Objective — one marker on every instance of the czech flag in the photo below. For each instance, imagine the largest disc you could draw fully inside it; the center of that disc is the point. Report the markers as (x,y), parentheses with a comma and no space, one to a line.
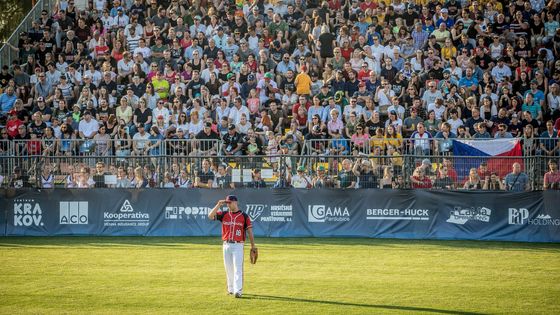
(499,154)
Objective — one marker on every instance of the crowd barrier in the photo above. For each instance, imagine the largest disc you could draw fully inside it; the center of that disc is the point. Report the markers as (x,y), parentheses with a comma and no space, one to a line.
(406,214)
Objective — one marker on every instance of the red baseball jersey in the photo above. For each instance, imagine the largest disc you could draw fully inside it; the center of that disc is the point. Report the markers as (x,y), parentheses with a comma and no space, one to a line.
(234,225)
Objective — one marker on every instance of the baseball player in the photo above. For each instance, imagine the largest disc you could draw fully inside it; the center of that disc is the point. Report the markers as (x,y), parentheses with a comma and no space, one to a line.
(234,225)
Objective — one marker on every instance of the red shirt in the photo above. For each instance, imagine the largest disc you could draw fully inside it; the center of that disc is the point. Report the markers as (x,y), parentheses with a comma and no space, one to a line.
(234,225)
(426,182)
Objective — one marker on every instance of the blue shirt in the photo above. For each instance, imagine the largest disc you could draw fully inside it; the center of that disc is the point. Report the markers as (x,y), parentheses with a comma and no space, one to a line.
(468,82)
(516,182)
(7,102)
(314,110)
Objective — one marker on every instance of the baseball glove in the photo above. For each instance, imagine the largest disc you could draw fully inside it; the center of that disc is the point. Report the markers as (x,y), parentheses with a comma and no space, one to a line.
(254,255)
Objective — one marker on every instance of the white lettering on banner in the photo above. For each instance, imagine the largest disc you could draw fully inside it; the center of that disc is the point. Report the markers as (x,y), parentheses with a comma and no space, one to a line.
(461,215)
(322,213)
(254,211)
(521,217)
(126,217)
(398,214)
(27,213)
(177,213)
(73,212)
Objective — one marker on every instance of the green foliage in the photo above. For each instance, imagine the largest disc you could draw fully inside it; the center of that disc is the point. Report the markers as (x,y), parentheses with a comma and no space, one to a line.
(12,13)
(84,275)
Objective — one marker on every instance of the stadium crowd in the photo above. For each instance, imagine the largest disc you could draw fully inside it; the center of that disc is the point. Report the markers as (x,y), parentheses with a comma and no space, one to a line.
(268,77)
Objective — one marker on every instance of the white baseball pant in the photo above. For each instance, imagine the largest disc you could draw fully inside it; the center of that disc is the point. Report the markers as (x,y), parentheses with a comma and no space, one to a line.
(233,261)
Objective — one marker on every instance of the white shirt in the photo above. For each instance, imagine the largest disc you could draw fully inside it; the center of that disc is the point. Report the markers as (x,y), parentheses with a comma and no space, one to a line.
(163,112)
(300,181)
(88,128)
(437,110)
(235,113)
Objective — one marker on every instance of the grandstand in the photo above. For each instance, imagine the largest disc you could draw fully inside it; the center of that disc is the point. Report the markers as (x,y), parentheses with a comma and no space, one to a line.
(360,94)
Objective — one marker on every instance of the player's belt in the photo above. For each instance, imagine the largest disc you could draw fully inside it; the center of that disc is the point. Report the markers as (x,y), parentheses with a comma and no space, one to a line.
(232,242)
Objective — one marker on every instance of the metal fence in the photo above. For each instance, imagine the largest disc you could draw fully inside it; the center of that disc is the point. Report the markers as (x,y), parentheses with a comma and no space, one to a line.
(396,171)
(7,54)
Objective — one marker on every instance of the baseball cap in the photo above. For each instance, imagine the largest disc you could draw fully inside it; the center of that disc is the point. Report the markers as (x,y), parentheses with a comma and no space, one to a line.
(208,124)
(268,75)
(229,75)
(444,10)
(231,198)
(231,127)
(251,77)
(426,161)
(301,168)
(393,112)
(321,168)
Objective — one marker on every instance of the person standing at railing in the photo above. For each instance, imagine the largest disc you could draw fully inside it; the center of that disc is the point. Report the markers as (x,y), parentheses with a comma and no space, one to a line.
(7,100)
(549,144)
(551,179)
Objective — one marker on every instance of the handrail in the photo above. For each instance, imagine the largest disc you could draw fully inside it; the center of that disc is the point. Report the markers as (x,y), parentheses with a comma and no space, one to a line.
(7,54)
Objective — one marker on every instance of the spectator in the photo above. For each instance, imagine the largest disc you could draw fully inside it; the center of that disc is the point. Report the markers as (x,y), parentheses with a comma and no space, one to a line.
(256,180)
(300,179)
(473,182)
(517,181)
(493,182)
(419,180)
(346,177)
(552,177)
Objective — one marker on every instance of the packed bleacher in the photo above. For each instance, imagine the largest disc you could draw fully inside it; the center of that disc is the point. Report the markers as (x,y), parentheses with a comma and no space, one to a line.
(280,93)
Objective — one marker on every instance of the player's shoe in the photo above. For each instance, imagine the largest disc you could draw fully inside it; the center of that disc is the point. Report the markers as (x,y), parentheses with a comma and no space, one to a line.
(230,293)
(237,295)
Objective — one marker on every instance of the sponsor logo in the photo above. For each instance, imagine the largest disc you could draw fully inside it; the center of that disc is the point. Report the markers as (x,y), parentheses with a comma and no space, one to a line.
(323,213)
(276,213)
(126,217)
(27,213)
(178,213)
(73,212)
(398,214)
(461,215)
(254,211)
(521,217)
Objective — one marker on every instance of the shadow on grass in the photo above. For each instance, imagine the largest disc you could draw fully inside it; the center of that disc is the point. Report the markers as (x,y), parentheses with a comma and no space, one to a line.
(337,303)
(284,243)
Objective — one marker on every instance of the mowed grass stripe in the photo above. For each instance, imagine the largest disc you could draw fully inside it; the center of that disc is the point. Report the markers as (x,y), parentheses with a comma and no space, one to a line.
(79,275)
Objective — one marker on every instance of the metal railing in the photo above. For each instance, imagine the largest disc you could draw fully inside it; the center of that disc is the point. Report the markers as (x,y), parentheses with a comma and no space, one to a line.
(278,171)
(7,53)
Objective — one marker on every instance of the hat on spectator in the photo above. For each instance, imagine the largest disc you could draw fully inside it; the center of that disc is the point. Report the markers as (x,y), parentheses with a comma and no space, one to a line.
(393,112)
(534,81)
(514,116)
(197,17)
(321,168)
(426,162)
(207,124)
(180,129)
(230,75)
(268,75)
(362,84)
(301,168)
(444,10)
(447,71)
(231,127)
(251,77)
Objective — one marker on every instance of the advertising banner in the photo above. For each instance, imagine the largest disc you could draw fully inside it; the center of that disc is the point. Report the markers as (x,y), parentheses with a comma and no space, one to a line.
(411,214)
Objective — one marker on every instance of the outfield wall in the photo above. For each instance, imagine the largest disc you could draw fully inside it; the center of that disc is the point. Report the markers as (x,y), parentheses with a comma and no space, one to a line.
(410,214)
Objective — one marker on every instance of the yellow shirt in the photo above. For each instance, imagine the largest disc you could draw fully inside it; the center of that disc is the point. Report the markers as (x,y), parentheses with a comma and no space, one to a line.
(448,52)
(161,87)
(395,142)
(303,84)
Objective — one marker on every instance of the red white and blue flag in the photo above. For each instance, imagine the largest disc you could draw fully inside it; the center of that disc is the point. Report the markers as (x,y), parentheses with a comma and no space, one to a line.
(499,154)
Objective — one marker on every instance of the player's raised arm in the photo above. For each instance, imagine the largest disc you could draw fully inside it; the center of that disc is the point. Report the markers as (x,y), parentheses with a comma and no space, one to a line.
(212,214)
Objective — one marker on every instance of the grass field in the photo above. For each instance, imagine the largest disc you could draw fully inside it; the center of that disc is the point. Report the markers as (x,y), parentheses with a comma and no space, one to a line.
(84,275)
